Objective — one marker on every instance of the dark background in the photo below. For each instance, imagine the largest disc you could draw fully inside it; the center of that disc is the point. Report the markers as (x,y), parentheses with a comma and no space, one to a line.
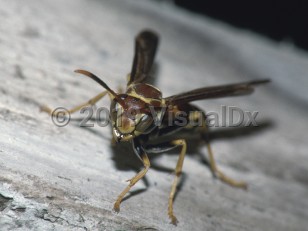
(278,20)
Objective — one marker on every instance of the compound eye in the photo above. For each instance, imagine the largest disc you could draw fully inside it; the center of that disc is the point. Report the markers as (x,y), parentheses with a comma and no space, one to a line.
(145,124)
(115,110)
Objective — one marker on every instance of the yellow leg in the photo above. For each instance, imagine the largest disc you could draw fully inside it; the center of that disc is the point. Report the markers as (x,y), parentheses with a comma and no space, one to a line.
(178,171)
(221,175)
(133,181)
(218,173)
(77,108)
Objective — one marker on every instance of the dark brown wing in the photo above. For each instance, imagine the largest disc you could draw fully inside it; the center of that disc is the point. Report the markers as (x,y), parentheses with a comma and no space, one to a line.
(145,48)
(215,92)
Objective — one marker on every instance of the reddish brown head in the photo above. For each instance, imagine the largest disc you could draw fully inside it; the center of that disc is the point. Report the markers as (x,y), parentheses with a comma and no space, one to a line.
(131,113)
(134,117)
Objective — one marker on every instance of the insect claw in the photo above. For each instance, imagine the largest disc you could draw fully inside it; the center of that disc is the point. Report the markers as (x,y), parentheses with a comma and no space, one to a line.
(44,108)
(244,186)
(174,220)
(116,207)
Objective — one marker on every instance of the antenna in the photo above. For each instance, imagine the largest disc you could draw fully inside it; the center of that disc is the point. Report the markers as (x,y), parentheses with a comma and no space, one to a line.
(103,84)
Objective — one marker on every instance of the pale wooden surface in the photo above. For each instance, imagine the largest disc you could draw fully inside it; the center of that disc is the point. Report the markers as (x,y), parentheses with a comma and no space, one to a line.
(68,178)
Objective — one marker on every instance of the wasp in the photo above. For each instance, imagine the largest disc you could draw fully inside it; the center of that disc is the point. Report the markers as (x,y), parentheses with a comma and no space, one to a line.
(142,115)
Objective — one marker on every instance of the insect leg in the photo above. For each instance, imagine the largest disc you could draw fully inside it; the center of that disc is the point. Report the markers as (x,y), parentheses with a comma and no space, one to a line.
(163,147)
(218,173)
(139,150)
(178,171)
(77,108)
(196,115)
